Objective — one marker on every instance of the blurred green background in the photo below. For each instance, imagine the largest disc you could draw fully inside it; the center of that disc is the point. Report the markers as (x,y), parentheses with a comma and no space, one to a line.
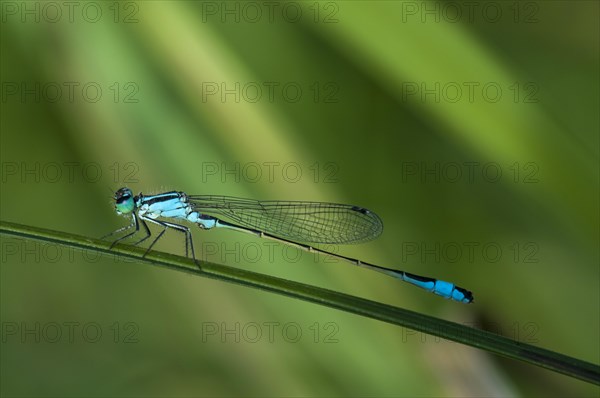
(411,109)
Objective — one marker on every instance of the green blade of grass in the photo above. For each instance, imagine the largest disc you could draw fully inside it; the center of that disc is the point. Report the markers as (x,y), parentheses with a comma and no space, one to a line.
(423,323)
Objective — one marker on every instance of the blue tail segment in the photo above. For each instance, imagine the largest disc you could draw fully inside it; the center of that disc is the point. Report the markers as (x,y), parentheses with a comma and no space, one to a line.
(441,288)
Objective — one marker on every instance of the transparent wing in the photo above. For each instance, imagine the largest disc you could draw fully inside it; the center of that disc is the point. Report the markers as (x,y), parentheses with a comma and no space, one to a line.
(314,222)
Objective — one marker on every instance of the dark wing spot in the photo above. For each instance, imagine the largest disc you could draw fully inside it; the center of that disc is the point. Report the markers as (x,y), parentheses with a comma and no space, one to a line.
(360,210)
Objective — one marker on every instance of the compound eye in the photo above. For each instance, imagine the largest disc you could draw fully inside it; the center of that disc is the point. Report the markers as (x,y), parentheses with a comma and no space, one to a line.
(124,202)
(122,199)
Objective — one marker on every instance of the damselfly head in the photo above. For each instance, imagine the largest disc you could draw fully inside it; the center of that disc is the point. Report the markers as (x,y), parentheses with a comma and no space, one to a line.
(124,201)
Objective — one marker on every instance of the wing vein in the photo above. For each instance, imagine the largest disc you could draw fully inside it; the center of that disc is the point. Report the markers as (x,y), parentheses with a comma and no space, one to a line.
(315,222)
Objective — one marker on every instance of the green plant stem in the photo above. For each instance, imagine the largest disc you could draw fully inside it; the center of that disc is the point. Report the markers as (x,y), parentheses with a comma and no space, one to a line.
(422,323)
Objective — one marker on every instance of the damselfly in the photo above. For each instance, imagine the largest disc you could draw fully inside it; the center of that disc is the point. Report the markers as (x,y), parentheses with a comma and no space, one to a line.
(289,222)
